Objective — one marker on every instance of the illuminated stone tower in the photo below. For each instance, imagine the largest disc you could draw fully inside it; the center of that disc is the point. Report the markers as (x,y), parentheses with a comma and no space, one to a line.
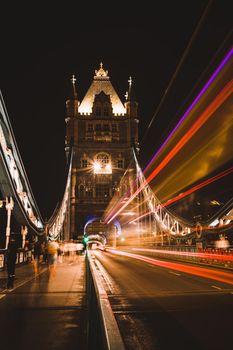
(101,130)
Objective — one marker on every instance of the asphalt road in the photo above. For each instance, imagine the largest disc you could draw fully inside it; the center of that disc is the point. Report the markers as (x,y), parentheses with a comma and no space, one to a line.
(160,308)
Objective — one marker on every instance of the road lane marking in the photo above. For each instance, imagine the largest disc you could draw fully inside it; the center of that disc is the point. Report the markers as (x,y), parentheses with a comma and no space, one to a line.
(175,273)
(216,287)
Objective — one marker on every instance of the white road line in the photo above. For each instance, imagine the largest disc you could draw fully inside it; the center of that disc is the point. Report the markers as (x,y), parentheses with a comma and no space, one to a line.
(175,273)
(216,287)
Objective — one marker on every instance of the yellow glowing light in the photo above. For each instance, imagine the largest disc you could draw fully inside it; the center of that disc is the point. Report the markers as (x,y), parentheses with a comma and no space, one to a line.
(128,213)
(108,167)
(86,107)
(102,168)
(96,167)
(101,83)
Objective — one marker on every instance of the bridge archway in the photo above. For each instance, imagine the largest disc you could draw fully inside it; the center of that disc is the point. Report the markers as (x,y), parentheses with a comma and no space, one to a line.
(96,230)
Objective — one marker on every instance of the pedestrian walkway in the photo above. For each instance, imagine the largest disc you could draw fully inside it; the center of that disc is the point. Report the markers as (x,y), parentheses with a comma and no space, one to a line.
(45,311)
(23,274)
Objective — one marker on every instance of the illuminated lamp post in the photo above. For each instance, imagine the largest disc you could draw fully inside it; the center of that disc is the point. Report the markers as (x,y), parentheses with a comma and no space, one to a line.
(24,231)
(9,208)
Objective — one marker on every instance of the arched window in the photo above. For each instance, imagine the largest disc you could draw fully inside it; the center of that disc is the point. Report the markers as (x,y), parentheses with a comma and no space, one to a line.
(103,158)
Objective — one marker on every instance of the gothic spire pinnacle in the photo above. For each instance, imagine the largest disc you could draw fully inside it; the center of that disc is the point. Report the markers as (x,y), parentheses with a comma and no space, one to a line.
(73,79)
(130,81)
(74,92)
(101,73)
(130,91)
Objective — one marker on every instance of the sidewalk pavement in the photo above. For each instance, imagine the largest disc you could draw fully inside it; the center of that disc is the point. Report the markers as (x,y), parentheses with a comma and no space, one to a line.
(26,272)
(23,274)
(45,310)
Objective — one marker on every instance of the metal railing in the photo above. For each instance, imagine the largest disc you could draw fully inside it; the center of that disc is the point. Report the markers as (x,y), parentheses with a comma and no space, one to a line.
(23,256)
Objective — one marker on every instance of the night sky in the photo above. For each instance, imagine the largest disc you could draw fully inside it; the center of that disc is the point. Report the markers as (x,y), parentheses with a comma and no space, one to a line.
(42,47)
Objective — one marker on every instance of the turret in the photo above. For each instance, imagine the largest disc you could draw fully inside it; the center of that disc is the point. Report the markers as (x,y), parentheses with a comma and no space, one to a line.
(131,103)
(72,105)
(131,106)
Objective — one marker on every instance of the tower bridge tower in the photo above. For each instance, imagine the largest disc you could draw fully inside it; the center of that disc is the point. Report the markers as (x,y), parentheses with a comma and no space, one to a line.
(101,130)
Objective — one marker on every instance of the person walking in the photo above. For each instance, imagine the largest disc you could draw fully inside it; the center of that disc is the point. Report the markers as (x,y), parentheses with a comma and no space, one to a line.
(52,249)
(37,255)
(11,261)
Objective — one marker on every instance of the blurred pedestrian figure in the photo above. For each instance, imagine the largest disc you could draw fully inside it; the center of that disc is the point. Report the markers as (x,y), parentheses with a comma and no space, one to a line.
(44,253)
(11,260)
(60,253)
(37,254)
(52,250)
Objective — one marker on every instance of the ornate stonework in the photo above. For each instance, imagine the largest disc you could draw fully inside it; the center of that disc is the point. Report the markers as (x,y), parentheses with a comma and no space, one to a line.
(101,73)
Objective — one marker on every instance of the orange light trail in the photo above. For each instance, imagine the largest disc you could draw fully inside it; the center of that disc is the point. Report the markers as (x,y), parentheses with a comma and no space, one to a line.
(223,95)
(197,187)
(221,276)
(213,256)
(204,89)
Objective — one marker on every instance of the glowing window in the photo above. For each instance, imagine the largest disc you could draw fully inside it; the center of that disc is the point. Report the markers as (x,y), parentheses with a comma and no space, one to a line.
(102,164)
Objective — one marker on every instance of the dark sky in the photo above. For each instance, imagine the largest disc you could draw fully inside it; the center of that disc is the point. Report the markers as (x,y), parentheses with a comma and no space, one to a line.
(42,47)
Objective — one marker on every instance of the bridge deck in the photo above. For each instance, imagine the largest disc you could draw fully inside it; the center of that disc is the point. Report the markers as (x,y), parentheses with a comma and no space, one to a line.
(44,311)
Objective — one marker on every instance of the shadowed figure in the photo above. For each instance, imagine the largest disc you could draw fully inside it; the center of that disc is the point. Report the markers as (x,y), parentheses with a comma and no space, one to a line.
(11,260)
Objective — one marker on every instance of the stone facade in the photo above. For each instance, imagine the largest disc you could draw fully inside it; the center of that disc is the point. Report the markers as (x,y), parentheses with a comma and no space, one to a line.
(101,131)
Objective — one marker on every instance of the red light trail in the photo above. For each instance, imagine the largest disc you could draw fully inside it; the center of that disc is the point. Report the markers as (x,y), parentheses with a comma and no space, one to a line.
(221,276)
(204,89)
(217,102)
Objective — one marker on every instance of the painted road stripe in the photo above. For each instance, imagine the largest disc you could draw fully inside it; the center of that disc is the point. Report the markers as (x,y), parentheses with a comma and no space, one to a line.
(175,273)
(216,287)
